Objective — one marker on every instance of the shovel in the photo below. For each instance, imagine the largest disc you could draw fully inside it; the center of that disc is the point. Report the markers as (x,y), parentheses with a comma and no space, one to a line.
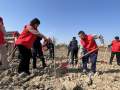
(10,57)
(65,64)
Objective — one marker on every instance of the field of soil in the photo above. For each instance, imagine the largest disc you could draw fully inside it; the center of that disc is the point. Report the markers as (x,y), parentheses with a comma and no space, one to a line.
(54,77)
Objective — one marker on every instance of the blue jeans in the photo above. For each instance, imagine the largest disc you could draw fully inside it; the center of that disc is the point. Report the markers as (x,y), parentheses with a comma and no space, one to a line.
(93,59)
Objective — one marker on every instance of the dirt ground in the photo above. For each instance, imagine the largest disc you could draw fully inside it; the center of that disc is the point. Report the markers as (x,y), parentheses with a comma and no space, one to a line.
(53,77)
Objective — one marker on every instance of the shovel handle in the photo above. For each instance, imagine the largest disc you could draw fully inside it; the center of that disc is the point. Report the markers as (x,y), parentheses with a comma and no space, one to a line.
(89,52)
(10,56)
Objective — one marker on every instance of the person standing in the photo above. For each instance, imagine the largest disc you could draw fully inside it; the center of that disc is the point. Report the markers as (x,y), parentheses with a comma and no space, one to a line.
(73,47)
(3,49)
(115,50)
(37,50)
(89,44)
(51,48)
(25,42)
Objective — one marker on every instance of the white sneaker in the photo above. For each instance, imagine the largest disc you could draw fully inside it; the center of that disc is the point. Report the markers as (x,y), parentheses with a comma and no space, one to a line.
(22,75)
(84,71)
(91,74)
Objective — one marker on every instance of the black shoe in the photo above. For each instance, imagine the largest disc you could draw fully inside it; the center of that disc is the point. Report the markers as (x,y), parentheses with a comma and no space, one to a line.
(44,65)
(34,67)
(0,63)
(28,73)
(110,63)
(76,62)
(118,64)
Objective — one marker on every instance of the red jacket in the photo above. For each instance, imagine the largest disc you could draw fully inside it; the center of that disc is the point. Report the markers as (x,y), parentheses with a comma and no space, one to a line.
(115,46)
(2,40)
(89,43)
(26,38)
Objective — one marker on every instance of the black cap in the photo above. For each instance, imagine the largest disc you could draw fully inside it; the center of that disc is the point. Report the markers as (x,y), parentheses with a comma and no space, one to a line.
(1,20)
(74,37)
(117,37)
(35,21)
(81,32)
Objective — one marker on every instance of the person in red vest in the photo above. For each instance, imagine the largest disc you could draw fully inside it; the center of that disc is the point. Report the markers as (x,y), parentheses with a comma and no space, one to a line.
(25,42)
(89,44)
(115,50)
(3,49)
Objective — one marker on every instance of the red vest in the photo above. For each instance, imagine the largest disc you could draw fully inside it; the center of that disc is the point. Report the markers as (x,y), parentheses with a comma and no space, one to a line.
(89,43)
(2,40)
(26,38)
(115,46)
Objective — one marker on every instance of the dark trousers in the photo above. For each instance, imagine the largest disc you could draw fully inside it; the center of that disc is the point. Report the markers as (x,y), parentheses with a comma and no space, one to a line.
(51,53)
(117,57)
(68,52)
(74,56)
(38,51)
(25,55)
(93,59)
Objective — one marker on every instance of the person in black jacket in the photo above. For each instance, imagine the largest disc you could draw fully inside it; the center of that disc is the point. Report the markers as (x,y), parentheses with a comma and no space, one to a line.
(73,46)
(51,48)
(37,50)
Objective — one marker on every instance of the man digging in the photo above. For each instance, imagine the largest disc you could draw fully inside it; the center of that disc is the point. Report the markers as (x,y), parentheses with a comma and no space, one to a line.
(89,44)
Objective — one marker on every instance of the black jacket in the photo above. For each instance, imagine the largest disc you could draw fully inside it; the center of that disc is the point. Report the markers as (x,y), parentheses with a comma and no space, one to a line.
(73,44)
(37,43)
